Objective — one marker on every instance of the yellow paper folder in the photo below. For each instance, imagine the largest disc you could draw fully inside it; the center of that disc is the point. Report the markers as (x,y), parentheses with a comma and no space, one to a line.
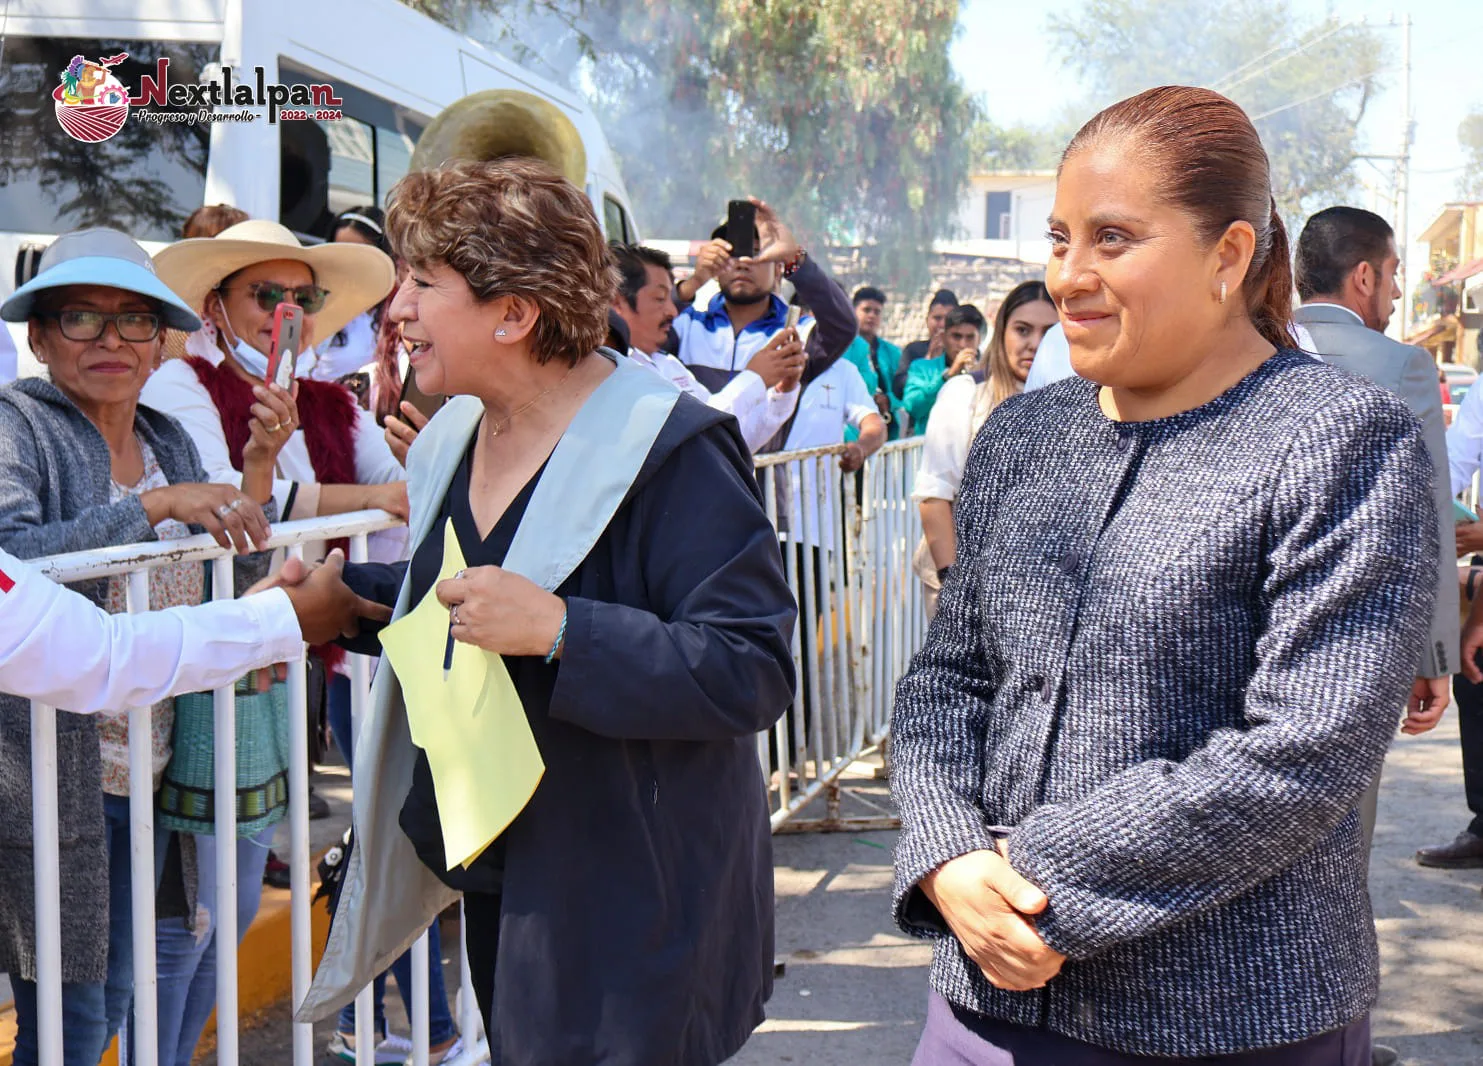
(484,761)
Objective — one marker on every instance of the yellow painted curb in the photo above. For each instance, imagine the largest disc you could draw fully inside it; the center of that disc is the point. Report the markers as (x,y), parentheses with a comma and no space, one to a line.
(264,968)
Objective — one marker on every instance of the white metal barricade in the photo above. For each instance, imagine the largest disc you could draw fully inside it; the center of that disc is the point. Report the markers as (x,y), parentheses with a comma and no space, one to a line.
(847,543)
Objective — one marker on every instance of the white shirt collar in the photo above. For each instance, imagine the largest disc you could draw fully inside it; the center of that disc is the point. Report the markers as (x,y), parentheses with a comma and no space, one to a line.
(1341,307)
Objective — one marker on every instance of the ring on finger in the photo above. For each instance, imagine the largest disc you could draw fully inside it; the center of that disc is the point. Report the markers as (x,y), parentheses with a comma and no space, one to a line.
(453,615)
(274,428)
(235,505)
(223,511)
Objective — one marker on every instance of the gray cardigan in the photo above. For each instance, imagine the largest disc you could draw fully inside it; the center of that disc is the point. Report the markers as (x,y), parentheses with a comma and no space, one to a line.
(1167,664)
(54,488)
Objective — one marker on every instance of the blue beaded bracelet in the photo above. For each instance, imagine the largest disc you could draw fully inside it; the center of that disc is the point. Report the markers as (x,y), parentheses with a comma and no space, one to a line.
(560,638)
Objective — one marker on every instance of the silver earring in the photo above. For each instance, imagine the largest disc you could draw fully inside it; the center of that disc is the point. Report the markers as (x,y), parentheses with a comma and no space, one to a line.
(501,333)
(1222,292)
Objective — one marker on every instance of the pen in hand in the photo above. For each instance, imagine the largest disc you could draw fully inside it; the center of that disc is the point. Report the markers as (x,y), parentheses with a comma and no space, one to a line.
(448,651)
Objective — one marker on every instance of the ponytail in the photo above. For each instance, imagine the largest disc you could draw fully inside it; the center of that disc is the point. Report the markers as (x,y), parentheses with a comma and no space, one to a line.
(1272,287)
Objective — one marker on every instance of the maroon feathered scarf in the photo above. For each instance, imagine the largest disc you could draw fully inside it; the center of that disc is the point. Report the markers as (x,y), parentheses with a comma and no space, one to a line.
(327,414)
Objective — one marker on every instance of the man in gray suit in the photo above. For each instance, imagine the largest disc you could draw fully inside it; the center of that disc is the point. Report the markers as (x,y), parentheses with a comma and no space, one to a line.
(1346,267)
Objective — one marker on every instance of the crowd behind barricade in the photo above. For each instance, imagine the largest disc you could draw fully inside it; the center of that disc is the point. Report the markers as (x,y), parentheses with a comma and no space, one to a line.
(1152,428)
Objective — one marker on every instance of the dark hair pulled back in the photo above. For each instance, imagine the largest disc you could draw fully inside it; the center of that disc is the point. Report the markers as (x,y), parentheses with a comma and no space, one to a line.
(1210,163)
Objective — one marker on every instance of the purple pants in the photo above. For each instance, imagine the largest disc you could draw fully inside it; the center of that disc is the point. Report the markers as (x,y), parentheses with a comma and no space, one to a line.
(958,1037)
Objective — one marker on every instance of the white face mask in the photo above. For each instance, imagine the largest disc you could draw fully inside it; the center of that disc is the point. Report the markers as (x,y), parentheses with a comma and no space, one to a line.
(248,357)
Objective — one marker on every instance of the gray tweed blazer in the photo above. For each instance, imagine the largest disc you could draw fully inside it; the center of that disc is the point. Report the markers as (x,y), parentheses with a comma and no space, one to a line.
(1167,664)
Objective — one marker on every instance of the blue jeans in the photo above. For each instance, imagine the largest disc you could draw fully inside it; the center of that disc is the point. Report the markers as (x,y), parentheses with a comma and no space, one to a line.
(187,961)
(93,1011)
(440,1019)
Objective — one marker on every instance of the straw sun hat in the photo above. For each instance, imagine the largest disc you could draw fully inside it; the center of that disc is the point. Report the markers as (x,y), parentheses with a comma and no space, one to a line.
(357,276)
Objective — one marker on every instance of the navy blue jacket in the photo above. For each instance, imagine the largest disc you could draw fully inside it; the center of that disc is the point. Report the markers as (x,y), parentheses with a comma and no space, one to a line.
(637,894)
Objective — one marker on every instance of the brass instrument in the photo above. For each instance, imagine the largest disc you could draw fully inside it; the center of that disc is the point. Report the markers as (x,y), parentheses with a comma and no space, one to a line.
(499,123)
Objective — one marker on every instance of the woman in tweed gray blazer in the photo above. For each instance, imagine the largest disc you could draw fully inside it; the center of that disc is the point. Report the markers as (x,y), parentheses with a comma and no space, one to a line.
(1191,591)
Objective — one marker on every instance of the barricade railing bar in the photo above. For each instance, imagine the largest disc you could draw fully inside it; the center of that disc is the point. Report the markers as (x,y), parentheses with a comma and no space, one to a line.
(847,541)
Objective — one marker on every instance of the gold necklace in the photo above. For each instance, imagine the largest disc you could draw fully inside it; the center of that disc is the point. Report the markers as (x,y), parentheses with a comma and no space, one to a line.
(496,428)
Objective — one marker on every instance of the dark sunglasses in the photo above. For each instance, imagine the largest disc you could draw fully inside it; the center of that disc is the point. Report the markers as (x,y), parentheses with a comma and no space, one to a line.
(270,294)
(135,326)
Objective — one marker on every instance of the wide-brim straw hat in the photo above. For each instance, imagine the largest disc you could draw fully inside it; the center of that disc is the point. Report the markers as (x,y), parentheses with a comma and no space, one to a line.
(356,276)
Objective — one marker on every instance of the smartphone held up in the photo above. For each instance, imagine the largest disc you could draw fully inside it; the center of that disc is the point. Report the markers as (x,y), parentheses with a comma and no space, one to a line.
(741,228)
(288,330)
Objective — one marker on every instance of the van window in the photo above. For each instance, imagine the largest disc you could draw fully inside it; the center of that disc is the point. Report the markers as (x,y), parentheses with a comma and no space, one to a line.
(329,166)
(615,220)
(144,180)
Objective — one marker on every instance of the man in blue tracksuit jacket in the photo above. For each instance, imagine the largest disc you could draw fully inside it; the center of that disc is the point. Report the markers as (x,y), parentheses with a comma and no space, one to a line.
(718,342)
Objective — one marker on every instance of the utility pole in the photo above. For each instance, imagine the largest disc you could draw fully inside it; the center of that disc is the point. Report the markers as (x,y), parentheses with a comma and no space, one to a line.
(1403,171)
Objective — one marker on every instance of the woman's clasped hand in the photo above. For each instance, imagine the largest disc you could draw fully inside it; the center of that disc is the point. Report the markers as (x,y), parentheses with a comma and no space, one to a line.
(990,909)
(235,520)
(502,612)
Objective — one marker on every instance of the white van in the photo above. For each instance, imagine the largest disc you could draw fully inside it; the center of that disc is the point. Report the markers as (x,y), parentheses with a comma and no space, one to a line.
(391,69)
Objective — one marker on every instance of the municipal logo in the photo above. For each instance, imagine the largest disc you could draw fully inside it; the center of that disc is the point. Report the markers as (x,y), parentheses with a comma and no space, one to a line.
(92,105)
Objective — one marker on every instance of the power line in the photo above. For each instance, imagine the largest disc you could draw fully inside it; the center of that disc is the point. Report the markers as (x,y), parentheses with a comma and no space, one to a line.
(1225,85)
(1319,95)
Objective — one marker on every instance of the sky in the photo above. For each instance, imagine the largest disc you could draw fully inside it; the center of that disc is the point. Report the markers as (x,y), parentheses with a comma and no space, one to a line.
(1002,54)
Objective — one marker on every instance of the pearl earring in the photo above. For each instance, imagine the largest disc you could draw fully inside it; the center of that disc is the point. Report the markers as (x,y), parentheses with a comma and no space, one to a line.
(1222,292)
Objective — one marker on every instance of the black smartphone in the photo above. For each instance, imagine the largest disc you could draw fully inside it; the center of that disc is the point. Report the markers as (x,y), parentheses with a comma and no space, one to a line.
(424,402)
(741,228)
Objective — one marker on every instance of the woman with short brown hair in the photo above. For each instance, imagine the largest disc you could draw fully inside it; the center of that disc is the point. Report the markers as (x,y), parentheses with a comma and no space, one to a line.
(1190,592)
(619,566)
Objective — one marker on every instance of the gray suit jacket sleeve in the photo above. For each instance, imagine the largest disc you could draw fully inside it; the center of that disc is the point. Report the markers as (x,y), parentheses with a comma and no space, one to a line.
(1419,389)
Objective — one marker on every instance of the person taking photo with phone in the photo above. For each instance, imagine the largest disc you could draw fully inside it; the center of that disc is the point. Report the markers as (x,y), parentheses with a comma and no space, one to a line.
(942,302)
(719,342)
(963,332)
(333,460)
(762,398)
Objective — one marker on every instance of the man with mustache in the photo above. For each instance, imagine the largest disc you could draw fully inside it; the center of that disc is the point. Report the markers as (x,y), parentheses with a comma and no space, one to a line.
(762,397)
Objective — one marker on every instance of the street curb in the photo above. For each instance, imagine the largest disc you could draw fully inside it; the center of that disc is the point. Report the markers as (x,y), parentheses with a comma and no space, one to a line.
(264,967)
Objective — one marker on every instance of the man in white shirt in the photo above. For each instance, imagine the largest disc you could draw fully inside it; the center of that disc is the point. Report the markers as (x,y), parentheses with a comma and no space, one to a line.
(836,398)
(57,647)
(761,397)
(1052,360)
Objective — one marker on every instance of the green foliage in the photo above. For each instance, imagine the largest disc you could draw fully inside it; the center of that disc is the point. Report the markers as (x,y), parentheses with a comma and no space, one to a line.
(1470,138)
(999,148)
(1306,101)
(847,117)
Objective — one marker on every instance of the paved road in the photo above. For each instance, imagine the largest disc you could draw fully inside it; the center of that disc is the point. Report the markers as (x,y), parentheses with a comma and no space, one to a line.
(854,990)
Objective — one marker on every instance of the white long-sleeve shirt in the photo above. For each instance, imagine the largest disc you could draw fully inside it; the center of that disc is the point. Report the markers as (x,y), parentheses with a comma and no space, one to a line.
(1465,440)
(59,648)
(758,410)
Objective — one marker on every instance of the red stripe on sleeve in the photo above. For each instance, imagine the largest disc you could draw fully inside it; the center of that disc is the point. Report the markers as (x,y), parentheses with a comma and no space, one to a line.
(5,583)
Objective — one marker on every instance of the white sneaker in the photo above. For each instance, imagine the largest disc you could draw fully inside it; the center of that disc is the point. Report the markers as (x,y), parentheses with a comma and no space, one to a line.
(449,1056)
(392,1051)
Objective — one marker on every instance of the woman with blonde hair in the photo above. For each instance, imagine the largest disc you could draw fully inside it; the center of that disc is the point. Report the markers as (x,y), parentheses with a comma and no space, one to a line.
(963,405)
